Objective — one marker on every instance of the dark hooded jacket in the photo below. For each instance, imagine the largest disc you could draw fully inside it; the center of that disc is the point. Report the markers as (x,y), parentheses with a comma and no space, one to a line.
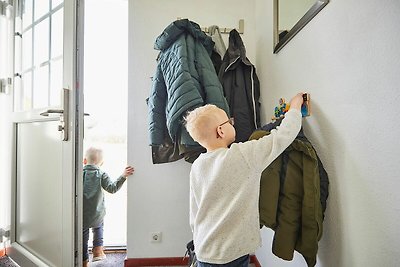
(185,78)
(241,88)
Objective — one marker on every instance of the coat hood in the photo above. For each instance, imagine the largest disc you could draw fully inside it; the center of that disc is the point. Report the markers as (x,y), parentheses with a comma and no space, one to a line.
(179,27)
(236,49)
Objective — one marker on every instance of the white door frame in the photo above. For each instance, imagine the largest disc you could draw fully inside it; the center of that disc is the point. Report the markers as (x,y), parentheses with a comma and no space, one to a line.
(71,149)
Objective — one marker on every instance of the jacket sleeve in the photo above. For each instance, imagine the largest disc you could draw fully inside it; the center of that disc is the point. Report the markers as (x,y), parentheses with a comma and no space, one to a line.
(289,218)
(156,108)
(110,186)
(180,82)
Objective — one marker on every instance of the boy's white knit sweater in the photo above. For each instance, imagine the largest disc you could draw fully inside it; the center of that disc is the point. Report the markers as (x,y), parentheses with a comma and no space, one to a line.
(224,193)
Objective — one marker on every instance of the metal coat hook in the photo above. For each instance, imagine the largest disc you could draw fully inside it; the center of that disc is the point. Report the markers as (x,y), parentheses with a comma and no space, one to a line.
(226,30)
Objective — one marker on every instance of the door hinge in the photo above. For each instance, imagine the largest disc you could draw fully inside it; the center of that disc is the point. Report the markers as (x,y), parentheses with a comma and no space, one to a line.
(4,234)
(3,7)
(5,85)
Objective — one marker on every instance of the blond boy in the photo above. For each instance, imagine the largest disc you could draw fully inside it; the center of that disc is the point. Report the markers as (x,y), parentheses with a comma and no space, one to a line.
(225,181)
(94,181)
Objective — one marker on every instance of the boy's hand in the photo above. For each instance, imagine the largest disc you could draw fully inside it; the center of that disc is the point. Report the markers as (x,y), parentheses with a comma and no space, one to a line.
(297,101)
(128,171)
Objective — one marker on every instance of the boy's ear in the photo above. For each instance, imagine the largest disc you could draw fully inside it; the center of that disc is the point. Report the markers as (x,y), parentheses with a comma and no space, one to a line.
(220,132)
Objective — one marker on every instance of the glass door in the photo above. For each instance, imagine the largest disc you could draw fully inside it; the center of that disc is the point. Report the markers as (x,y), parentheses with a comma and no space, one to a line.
(47,126)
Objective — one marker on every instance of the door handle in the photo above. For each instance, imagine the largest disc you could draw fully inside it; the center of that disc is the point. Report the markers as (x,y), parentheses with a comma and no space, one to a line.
(64,115)
(61,126)
(52,111)
(57,111)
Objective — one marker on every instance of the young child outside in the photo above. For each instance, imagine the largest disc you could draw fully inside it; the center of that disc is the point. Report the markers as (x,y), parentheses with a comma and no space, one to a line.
(94,180)
(225,182)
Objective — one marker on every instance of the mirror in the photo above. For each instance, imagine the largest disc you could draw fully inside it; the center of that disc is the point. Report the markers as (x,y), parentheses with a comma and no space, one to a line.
(290,16)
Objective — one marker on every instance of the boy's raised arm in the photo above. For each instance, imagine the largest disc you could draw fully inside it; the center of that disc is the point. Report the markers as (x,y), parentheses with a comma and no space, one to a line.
(260,153)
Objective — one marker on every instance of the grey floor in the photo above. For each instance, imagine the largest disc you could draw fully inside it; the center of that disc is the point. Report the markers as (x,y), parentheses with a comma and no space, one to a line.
(114,259)
(7,262)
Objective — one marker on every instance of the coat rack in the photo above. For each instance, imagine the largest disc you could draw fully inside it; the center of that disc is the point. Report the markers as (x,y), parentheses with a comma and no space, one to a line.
(226,30)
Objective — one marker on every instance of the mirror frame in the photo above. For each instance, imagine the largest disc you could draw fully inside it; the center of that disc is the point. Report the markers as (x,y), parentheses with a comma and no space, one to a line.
(310,14)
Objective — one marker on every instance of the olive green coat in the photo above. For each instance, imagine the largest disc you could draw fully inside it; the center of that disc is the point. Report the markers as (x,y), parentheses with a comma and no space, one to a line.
(290,201)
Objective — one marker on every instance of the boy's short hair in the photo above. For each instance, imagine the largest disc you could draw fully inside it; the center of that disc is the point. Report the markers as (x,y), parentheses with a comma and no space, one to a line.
(94,155)
(201,122)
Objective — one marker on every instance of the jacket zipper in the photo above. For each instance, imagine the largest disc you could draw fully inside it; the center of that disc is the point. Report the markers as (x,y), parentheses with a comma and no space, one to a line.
(253,98)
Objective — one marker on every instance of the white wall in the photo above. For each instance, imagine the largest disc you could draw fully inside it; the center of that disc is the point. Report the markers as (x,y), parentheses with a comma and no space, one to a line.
(348,58)
(158,195)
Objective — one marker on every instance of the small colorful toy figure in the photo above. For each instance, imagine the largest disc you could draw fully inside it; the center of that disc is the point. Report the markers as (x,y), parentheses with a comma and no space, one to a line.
(281,109)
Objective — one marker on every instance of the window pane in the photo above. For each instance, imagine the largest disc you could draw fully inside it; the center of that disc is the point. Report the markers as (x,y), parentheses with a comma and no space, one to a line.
(27,91)
(56,82)
(57,34)
(27,50)
(17,94)
(41,8)
(41,87)
(41,42)
(3,45)
(55,3)
(17,54)
(27,13)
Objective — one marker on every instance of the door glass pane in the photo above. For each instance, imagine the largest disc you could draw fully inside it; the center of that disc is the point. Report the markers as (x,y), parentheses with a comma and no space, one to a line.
(41,87)
(41,8)
(40,54)
(57,24)
(41,45)
(27,13)
(56,82)
(27,50)
(18,54)
(26,91)
(17,94)
(55,3)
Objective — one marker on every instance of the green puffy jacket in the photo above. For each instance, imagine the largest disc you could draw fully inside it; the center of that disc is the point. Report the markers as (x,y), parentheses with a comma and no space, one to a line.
(185,79)
(291,202)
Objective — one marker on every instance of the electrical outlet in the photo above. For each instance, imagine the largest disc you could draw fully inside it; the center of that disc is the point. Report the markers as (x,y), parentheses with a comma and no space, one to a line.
(155,237)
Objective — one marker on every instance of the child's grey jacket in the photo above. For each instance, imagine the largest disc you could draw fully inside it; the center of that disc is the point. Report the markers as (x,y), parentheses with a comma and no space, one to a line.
(94,180)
